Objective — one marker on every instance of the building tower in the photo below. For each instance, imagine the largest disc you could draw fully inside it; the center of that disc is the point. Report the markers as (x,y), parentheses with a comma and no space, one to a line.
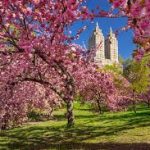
(111,47)
(96,43)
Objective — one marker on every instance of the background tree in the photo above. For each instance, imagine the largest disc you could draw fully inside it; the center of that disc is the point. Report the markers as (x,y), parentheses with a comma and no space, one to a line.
(116,68)
(96,87)
(145,97)
(138,75)
(123,90)
(121,60)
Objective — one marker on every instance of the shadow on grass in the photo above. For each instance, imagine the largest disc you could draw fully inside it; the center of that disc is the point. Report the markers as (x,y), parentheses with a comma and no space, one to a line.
(44,145)
(100,146)
(59,137)
(60,117)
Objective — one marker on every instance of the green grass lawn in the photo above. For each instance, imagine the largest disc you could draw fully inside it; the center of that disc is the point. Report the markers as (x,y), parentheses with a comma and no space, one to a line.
(92,131)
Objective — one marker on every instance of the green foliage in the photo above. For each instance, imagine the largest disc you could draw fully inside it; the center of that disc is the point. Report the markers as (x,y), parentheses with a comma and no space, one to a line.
(78,98)
(115,68)
(121,60)
(138,74)
(38,115)
(127,62)
(34,116)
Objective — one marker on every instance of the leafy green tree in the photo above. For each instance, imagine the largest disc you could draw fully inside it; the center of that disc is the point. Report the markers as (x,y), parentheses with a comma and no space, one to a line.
(116,68)
(121,60)
(138,74)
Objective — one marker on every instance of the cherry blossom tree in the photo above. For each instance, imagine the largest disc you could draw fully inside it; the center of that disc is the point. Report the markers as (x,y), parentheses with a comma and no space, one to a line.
(124,93)
(95,86)
(138,14)
(36,50)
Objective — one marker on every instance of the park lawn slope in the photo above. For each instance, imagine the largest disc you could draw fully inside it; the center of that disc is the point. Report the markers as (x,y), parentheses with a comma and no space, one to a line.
(120,130)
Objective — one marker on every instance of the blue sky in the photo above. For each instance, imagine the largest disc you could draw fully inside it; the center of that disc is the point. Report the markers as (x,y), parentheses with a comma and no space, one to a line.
(126,45)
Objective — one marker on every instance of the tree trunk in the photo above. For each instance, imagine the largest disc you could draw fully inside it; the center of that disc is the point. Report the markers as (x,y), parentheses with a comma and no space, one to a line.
(99,107)
(70,115)
(4,125)
(134,102)
(148,104)
(51,113)
(134,107)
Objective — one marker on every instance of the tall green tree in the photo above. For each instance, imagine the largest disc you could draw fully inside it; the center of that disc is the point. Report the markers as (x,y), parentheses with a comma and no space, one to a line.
(138,74)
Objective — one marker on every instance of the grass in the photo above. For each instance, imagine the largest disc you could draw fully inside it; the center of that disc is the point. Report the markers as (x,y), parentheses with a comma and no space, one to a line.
(110,131)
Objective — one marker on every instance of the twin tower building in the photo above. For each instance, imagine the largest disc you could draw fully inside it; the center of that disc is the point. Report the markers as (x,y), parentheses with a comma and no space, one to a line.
(105,49)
